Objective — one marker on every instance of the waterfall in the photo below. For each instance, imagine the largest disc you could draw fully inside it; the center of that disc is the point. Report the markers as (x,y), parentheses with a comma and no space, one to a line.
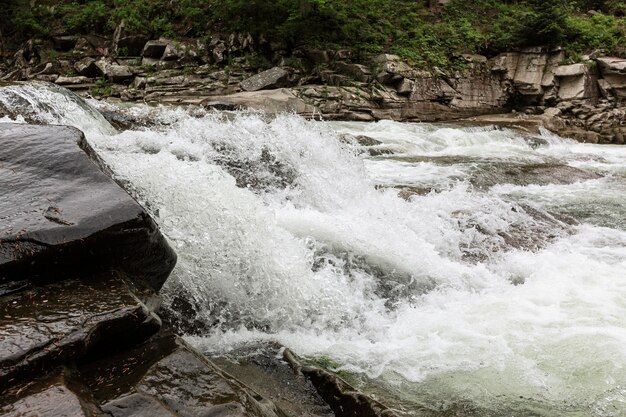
(488,284)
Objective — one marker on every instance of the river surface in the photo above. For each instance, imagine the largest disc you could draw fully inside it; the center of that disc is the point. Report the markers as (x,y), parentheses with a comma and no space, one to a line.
(447,270)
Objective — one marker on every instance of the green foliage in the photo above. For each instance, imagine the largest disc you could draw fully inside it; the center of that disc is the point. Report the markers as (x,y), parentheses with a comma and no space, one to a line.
(423,36)
(90,16)
(101,89)
(595,32)
(22,20)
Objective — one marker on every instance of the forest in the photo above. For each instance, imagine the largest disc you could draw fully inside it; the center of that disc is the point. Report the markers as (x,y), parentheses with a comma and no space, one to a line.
(425,33)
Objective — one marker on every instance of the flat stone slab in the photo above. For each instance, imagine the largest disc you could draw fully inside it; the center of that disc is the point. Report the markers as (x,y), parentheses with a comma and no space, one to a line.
(44,327)
(272,78)
(50,397)
(167,378)
(61,216)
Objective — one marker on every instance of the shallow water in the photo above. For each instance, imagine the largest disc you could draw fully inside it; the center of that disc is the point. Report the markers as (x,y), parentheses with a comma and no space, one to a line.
(464,299)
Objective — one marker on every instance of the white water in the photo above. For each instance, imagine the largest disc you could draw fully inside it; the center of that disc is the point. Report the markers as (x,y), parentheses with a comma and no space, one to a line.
(423,297)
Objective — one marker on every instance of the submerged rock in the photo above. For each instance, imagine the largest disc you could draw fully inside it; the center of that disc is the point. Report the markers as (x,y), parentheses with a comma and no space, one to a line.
(345,400)
(62,217)
(527,174)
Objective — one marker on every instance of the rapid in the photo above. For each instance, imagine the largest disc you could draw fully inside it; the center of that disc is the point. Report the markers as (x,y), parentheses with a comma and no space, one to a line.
(446,268)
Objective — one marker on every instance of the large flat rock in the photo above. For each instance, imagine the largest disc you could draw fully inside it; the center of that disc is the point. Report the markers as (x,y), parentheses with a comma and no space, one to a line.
(167,378)
(54,396)
(44,327)
(61,216)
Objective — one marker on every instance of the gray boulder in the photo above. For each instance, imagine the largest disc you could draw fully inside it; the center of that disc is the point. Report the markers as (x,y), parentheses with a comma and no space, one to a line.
(87,67)
(155,49)
(272,78)
(114,72)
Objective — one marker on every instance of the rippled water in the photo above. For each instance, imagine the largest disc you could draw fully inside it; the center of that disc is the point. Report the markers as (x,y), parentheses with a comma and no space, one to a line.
(461,271)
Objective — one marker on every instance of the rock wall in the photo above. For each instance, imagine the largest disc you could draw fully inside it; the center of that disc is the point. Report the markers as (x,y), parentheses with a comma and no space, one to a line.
(231,71)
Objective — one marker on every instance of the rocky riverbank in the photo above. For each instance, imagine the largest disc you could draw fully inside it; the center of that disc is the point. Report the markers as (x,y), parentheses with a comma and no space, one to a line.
(81,266)
(534,86)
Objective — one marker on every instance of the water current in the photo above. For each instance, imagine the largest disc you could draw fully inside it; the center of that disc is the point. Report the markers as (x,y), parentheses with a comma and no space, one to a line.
(447,269)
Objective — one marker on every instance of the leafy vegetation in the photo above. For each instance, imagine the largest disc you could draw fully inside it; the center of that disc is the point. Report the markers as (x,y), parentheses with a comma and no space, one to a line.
(423,35)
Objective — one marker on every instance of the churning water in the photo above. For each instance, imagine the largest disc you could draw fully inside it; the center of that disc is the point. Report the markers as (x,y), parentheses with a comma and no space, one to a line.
(461,270)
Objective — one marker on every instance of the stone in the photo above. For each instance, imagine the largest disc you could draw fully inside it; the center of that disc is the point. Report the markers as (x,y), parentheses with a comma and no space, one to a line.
(480,59)
(343,399)
(576,82)
(66,217)
(571,70)
(47,78)
(330,77)
(383,58)
(155,49)
(56,396)
(139,83)
(87,67)
(132,45)
(317,56)
(137,405)
(72,80)
(44,326)
(64,43)
(529,174)
(84,48)
(218,52)
(261,368)
(272,78)
(612,65)
(357,71)
(272,101)
(405,87)
(168,378)
(530,70)
(114,72)
(399,68)
(174,51)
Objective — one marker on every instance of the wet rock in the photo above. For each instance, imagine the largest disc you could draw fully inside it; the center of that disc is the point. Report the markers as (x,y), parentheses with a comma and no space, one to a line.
(360,139)
(262,368)
(272,78)
(168,377)
(527,174)
(345,400)
(65,217)
(137,405)
(57,396)
(44,327)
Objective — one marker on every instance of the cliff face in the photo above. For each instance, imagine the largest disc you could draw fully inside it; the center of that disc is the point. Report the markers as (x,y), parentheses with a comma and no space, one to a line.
(333,84)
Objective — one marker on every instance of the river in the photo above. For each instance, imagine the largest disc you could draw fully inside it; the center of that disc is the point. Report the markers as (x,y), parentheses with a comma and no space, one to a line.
(447,269)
